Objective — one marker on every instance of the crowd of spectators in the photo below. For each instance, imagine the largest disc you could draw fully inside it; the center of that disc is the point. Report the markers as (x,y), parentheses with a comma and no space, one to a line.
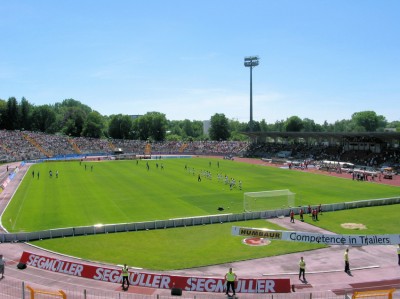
(86,145)
(26,145)
(216,147)
(320,152)
(15,147)
(299,151)
(49,145)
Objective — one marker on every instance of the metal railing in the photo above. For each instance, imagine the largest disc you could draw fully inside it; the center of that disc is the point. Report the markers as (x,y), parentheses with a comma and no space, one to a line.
(11,289)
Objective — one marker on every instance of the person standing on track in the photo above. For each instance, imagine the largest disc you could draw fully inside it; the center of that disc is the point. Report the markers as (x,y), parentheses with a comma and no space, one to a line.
(125,277)
(398,252)
(302,268)
(346,261)
(2,265)
(230,279)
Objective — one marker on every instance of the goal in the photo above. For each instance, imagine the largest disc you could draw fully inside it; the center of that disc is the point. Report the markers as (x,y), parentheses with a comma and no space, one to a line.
(268,200)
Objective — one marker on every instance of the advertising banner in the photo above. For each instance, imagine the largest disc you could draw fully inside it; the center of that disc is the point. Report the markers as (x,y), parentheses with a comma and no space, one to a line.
(328,239)
(154,280)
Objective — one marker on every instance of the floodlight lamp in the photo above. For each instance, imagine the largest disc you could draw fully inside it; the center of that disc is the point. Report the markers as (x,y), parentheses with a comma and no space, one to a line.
(251,63)
(251,58)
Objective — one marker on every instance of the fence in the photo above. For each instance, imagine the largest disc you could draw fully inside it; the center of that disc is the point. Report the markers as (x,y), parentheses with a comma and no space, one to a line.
(19,289)
(181,222)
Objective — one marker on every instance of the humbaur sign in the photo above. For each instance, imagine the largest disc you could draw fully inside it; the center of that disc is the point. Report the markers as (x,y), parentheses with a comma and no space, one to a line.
(328,239)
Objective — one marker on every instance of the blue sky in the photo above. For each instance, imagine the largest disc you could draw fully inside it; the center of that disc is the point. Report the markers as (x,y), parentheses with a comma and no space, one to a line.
(320,59)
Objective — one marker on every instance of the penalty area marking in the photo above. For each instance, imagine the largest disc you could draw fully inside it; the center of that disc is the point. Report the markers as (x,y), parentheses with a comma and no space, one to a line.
(356,226)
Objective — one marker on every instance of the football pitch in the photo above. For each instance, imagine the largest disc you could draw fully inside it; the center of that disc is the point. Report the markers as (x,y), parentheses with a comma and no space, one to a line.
(91,193)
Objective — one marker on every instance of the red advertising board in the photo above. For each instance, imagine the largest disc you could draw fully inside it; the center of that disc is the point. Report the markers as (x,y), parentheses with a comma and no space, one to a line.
(154,280)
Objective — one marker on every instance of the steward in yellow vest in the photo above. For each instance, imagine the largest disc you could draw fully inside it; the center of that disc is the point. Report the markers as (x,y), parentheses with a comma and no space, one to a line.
(230,278)
(302,266)
(125,277)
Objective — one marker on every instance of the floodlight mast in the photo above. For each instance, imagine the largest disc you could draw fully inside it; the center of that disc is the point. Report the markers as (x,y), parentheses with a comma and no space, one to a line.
(251,61)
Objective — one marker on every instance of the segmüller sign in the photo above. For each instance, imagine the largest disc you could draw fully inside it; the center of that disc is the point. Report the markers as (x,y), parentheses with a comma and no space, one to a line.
(154,280)
(328,239)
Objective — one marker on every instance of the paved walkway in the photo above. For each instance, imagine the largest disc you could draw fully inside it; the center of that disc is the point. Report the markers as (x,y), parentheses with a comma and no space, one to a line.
(372,266)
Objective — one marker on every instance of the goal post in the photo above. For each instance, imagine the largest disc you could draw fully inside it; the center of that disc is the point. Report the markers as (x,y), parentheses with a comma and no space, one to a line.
(268,200)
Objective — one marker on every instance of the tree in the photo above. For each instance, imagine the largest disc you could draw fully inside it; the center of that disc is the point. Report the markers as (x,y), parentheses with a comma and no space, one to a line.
(278,126)
(174,127)
(25,114)
(126,127)
(43,119)
(3,108)
(94,125)
(141,127)
(325,126)
(197,127)
(343,125)
(309,125)
(392,125)
(187,128)
(71,116)
(12,114)
(236,130)
(151,126)
(219,129)
(71,103)
(366,119)
(293,124)
(120,126)
(173,137)
(382,123)
(256,127)
(158,126)
(263,126)
(73,119)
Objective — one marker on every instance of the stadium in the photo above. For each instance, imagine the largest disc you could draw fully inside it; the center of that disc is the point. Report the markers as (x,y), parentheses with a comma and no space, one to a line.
(79,207)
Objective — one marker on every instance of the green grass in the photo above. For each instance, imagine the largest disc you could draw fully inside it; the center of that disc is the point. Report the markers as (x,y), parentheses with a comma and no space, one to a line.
(118,192)
(378,220)
(212,244)
(178,248)
(122,191)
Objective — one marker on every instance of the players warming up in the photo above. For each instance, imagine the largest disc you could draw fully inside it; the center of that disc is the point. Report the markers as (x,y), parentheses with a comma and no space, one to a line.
(301,213)
(207,174)
(291,216)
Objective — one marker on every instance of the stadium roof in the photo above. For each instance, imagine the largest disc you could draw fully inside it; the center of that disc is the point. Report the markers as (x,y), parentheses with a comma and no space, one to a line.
(384,136)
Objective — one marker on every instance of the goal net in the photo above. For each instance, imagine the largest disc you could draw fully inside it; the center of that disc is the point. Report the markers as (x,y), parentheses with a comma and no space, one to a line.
(268,200)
